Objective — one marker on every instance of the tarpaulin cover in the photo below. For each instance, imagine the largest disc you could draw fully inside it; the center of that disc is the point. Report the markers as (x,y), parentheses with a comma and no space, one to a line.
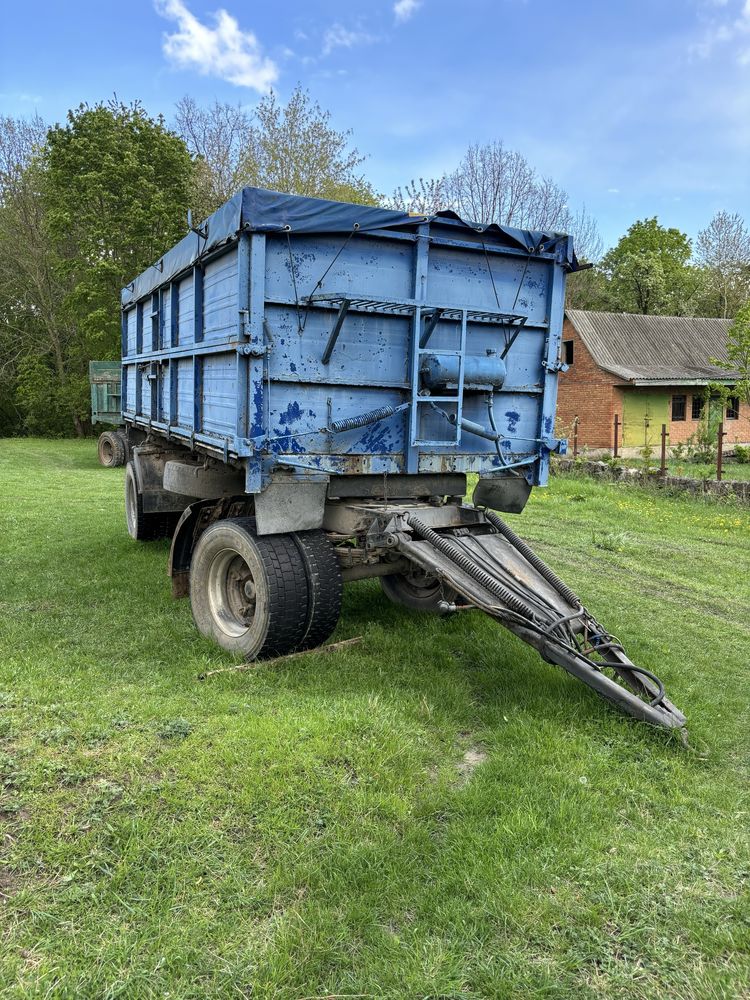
(258,210)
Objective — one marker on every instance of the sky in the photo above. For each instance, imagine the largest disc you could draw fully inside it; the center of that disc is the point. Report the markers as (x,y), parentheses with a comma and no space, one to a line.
(637,108)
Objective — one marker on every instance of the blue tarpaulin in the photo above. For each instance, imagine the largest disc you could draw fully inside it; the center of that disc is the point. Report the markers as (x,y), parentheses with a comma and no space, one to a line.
(259,210)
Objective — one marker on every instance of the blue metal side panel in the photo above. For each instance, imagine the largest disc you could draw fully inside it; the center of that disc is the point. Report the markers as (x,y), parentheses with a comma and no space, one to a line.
(128,402)
(145,392)
(219,394)
(130,317)
(220,298)
(185,393)
(186,326)
(367,265)
(247,363)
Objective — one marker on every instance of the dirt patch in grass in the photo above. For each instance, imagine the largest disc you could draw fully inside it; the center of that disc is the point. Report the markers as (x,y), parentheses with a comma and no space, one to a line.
(469,762)
(9,884)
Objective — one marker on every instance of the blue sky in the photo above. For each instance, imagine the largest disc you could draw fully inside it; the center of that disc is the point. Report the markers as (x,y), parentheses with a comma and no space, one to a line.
(637,108)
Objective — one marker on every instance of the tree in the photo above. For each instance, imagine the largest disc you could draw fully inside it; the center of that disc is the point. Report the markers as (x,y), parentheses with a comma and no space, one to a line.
(738,352)
(36,335)
(587,289)
(300,152)
(723,249)
(290,147)
(648,270)
(117,187)
(420,197)
(223,141)
(495,184)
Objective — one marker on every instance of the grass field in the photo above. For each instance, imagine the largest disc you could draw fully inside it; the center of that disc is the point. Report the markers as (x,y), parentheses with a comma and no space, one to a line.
(434,813)
(695,470)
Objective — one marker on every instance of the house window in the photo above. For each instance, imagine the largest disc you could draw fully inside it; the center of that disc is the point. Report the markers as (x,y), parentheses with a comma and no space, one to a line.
(697,410)
(568,352)
(733,408)
(678,407)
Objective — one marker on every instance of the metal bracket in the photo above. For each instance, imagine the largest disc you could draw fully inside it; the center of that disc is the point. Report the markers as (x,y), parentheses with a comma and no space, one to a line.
(333,336)
(252,350)
(429,326)
(555,366)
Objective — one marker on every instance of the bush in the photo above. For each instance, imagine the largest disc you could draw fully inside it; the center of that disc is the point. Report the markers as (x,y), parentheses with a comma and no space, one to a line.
(742,454)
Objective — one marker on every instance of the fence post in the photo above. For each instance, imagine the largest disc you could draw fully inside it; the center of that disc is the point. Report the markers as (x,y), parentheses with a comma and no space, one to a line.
(617,429)
(575,437)
(720,451)
(663,466)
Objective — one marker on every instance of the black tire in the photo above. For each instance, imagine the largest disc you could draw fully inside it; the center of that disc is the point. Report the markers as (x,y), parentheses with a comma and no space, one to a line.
(123,437)
(417,591)
(325,586)
(141,526)
(248,593)
(112,449)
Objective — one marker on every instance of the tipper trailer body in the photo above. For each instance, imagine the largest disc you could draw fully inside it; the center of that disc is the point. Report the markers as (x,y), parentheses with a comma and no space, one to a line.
(310,382)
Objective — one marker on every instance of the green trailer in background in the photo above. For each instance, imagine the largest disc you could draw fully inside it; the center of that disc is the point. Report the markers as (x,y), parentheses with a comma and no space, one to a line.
(105,379)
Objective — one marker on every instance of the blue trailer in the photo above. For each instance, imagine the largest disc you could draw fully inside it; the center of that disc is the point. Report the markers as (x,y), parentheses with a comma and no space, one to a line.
(311,382)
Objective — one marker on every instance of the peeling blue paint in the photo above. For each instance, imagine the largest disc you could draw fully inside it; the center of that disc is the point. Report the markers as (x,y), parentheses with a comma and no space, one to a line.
(291,414)
(513,419)
(286,443)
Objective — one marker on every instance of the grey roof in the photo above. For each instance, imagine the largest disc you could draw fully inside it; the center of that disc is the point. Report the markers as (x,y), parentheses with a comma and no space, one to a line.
(654,349)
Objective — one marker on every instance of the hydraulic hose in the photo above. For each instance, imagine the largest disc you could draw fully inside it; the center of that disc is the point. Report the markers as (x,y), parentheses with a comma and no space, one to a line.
(539,564)
(469,566)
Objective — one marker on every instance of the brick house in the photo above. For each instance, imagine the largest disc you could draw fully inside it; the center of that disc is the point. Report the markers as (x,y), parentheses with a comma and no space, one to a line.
(647,370)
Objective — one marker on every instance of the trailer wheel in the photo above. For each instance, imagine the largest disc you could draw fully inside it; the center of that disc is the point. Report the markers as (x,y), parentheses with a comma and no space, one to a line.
(112,449)
(123,438)
(248,593)
(417,590)
(325,586)
(144,527)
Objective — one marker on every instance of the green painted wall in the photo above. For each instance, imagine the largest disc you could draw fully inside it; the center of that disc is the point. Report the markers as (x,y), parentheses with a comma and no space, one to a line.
(639,407)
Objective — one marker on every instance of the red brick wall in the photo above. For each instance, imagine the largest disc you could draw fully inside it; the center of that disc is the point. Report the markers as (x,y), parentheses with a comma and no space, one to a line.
(737,431)
(594,396)
(590,394)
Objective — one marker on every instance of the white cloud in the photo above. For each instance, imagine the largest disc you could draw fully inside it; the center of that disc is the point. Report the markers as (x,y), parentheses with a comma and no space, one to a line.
(224,51)
(613,190)
(339,37)
(723,32)
(404,9)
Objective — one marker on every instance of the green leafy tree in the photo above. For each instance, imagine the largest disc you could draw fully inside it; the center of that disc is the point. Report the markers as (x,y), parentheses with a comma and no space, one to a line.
(738,352)
(587,289)
(649,272)
(117,191)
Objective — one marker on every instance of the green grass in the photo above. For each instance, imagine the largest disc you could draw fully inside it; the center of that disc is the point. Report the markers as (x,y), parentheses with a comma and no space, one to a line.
(694,470)
(317,827)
